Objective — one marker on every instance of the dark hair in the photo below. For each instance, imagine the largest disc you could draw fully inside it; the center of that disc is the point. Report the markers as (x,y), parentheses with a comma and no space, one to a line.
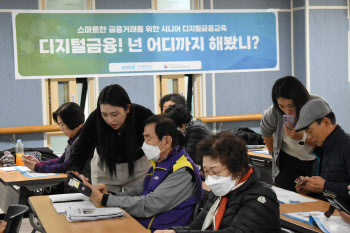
(176,98)
(71,114)
(179,114)
(290,87)
(229,149)
(330,116)
(164,127)
(115,95)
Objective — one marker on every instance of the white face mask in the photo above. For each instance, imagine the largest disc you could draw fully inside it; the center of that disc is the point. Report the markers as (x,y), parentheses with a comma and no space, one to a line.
(222,185)
(151,152)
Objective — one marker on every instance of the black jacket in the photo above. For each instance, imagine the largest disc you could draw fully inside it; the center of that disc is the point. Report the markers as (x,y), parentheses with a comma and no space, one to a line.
(248,135)
(88,139)
(251,208)
(195,132)
(336,162)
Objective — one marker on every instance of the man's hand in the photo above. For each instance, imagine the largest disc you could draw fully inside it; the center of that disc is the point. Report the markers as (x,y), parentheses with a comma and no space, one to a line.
(96,194)
(345,216)
(102,188)
(81,176)
(314,184)
(301,189)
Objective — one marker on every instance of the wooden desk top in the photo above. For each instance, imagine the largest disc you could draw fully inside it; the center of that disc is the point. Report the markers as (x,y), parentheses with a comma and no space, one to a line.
(303,207)
(17,178)
(57,223)
(254,154)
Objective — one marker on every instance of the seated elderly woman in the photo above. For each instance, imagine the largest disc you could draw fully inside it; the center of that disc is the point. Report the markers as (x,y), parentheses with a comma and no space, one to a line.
(238,201)
(70,117)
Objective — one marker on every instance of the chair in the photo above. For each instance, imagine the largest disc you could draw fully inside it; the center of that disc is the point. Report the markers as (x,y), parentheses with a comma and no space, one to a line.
(13,217)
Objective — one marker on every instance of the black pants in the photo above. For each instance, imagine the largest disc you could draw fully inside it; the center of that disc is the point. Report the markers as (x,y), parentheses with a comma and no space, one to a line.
(291,168)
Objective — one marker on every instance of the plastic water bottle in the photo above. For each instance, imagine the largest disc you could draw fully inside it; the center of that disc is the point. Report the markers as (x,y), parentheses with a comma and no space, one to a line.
(19,152)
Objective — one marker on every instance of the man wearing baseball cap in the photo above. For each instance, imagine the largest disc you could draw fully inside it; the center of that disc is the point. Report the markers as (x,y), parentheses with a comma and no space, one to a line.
(319,122)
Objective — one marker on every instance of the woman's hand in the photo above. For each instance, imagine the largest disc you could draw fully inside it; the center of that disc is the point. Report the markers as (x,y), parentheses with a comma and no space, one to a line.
(2,226)
(30,161)
(291,132)
(165,231)
(31,158)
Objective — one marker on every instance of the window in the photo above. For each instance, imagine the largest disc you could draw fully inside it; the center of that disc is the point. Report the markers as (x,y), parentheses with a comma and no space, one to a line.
(182,83)
(60,91)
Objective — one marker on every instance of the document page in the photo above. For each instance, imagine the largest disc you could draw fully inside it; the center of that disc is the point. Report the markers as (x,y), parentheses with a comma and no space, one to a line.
(287,197)
(333,224)
(68,197)
(8,169)
(62,202)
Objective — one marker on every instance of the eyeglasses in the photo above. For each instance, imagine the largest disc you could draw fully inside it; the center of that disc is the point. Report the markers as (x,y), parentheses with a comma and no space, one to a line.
(216,175)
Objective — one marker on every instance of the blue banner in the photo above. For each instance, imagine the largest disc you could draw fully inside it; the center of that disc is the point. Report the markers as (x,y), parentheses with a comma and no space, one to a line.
(60,44)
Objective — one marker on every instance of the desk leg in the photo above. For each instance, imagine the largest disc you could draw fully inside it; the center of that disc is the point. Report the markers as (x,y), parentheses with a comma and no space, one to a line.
(36,224)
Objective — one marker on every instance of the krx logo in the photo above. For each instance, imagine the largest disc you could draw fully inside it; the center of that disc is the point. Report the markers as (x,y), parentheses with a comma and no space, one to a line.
(128,67)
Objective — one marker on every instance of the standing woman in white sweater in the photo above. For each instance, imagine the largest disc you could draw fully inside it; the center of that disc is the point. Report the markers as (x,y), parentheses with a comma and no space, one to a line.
(290,150)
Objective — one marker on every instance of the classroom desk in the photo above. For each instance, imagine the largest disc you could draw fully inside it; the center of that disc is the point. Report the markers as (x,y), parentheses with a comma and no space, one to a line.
(11,195)
(253,154)
(17,178)
(263,162)
(302,207)
(57,223)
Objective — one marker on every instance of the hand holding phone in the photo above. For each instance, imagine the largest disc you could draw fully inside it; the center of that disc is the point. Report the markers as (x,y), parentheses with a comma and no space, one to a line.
(290,119)
(300,180)
(76,184)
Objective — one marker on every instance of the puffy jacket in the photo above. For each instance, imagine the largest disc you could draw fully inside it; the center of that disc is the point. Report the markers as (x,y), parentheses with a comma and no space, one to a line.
(251,208)
(195,132)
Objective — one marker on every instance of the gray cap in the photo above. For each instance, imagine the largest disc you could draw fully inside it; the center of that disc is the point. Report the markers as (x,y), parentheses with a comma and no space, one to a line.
(311,111)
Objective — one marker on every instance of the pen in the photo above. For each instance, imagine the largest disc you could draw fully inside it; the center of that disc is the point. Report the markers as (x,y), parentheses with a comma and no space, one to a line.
(79,200)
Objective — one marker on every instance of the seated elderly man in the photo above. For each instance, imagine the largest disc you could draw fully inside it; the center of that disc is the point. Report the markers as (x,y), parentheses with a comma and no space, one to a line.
(172,186)
(319,122)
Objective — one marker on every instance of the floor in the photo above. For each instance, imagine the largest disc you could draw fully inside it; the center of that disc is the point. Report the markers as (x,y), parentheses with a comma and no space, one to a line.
(25,226)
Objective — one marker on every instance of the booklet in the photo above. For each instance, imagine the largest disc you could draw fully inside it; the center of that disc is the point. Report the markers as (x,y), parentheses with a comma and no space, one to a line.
(333,224)
(288,197)
(255,146)
(264,152)
(91,214)
(61,202)
(32,174)
(304,216)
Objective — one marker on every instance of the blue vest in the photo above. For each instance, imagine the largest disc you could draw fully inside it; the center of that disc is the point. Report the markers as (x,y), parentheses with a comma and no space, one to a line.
(181,215)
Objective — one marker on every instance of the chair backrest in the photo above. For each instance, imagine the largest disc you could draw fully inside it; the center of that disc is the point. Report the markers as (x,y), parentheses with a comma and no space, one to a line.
(13,217)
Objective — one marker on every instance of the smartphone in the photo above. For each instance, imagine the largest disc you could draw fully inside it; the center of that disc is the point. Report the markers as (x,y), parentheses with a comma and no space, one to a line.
(288,118)
(24,159)
(75,183)
(337,202)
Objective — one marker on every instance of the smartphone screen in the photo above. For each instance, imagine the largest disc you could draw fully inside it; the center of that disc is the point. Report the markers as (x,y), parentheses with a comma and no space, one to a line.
(288,118)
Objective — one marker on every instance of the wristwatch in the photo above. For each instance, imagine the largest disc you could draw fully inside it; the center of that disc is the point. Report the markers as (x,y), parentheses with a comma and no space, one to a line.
(302,141)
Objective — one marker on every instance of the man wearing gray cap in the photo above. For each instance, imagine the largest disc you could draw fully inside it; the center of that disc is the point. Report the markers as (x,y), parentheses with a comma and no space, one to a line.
(319,122)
